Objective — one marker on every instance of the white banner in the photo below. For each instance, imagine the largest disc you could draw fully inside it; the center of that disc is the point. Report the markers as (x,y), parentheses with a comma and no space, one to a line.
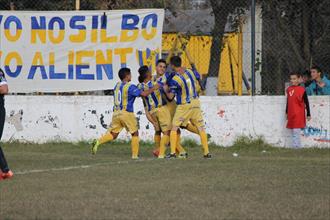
(64,51)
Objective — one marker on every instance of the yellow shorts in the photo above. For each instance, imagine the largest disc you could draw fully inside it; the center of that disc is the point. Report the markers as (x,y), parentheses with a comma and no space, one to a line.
(163,118)
(196,113)
(123,119)
(182,115)
(171,107)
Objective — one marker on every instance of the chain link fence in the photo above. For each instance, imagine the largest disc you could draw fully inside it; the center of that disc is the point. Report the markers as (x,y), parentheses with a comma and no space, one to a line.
(290,36)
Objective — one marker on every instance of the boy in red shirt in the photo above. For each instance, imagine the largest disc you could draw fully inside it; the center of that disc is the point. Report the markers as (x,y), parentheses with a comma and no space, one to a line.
(297,102)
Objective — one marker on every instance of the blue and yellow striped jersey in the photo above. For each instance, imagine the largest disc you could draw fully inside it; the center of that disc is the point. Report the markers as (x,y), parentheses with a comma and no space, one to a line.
(124,96)
(155,99)
(182,86)
(194,77)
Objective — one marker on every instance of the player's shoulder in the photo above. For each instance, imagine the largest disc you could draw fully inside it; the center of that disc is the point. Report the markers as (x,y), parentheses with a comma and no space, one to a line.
(140,85)
(188,70)
(154,77)
(131,85)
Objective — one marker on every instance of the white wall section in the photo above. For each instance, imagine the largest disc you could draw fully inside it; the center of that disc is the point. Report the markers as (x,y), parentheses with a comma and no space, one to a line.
(42,119)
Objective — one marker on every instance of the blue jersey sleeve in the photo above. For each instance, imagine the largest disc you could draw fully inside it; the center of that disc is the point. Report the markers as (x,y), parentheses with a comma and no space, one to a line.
(133,90)
(197,75)
(173,85)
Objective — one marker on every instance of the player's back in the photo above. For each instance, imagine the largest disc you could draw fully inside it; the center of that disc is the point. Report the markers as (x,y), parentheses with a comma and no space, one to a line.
(181,85)
(194,77)
(124,96)
(155,99)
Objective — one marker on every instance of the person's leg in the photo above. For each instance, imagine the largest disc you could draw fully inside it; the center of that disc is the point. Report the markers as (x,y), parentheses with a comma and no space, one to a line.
(296,142)
(179,147)
(131,124)
(192,128)
(198,121)
(112,133)
(157,138)
(163,143)
(107,137)
(135,144)
(204,141)
(3,162)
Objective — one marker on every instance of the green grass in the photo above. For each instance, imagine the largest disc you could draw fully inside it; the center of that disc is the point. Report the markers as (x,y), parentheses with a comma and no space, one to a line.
(263,182)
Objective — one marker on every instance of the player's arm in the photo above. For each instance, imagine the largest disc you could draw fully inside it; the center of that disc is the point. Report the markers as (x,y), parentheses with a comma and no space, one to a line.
(169,95)
(3,83)
(135,91)
(305,97)
(149,117)
(145,93)
(3,89)
(199,79)
(170,89)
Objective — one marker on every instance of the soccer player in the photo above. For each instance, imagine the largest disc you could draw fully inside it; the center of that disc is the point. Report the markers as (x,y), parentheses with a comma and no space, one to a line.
(123,112)
(183,87)
(163,77)
(5,172)
(155,108)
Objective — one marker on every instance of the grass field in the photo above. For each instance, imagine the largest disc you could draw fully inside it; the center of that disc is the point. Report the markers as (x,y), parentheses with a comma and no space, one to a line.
(63,181)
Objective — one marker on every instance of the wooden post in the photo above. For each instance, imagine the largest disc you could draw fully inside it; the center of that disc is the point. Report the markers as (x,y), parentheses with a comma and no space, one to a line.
(77,9)
(240,60)
(77,5)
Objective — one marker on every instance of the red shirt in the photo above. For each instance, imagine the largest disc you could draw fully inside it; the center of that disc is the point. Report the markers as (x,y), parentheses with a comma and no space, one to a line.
(296,107)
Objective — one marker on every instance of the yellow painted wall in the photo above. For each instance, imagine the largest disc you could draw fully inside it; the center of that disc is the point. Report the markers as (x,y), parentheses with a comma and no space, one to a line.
(199,48)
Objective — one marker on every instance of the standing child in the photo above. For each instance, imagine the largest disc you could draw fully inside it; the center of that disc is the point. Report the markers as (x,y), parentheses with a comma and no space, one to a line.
(297,102)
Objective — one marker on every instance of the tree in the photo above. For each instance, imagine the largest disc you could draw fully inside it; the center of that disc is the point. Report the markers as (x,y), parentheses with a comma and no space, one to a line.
(295,35)
(221,11)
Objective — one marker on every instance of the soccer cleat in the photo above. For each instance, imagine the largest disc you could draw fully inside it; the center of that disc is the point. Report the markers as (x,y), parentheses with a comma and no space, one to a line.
(208,156)
(135,157)
(170,156)
(183,155)
(95,145)
(7,175)
(155,152)
(161,157)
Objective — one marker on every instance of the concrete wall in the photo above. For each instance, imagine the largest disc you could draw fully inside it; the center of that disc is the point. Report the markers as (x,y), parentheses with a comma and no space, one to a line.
(77,118)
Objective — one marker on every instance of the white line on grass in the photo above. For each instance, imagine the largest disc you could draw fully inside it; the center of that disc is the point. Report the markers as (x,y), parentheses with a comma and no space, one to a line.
(80,167)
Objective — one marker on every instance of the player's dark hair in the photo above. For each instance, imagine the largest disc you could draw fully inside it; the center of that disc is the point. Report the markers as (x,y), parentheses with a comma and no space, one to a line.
(295,74)
(317,68)
(143,70)
(176,61)
(307,73)
(161,61)
(123,72)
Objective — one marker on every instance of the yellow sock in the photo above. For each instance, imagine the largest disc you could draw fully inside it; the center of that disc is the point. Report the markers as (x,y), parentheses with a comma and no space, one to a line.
(163,142)
(135,146)
(192,128)
(106,138)
(157,139)
(179,146)
(173,140)
(205,145)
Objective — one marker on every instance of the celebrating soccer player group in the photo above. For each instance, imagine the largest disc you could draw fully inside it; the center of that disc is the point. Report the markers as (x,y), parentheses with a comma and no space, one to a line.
(171,102)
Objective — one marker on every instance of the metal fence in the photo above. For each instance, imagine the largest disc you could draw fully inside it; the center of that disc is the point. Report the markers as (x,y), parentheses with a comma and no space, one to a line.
(224,38)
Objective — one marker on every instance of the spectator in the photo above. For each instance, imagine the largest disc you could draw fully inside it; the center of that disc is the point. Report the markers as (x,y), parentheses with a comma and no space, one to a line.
(320,85)
(306,79)
(297,102)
